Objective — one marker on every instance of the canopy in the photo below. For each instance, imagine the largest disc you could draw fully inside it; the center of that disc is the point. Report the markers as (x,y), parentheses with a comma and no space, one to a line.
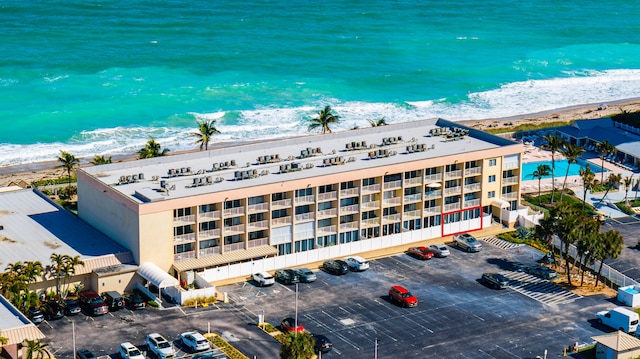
(230,257)
(500,203)
(434,185)
(157,276)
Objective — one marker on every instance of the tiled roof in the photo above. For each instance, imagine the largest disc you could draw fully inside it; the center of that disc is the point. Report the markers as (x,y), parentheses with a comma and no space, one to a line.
(618,341)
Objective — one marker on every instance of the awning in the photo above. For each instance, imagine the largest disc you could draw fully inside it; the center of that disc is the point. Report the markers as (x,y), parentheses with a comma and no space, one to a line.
(500,203)
(434,185)
(157,276)
(220,259)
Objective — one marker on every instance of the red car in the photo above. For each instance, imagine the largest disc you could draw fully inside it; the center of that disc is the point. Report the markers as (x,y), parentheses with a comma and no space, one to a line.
(421,252)
(92,303)
(402,296)
(289,325)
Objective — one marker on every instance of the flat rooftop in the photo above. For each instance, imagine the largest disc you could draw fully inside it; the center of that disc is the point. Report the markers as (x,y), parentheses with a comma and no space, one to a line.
(33,228)
(273,161)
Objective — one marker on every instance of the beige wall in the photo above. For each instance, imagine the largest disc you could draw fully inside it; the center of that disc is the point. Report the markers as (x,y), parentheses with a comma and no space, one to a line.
(120,282)
(156,239)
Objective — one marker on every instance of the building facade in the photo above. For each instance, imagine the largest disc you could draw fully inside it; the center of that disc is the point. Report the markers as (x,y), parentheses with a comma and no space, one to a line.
(210,209)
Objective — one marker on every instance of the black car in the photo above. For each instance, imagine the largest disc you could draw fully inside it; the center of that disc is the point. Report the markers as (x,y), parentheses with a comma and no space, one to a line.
(52,310)
(114,300)
(136,301)
(85,354)
(495,280)
(306,275)
(35,315)
(337,267)
(323,344)
(287,276)
(71,307)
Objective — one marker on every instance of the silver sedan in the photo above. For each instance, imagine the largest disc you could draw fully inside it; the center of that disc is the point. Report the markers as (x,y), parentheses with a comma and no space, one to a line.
(440,250)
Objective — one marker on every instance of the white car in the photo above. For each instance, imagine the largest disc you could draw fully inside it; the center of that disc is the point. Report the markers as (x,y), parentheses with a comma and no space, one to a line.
(195,341)
(357,263)
(440,250)
(129,351)
(160,346)
(263,279)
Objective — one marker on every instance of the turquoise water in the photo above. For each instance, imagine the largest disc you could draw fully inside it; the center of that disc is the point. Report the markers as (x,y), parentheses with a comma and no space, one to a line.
(561,168)
(99,77)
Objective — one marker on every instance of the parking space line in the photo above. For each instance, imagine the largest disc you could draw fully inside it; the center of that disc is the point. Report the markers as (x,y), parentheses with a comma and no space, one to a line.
(539,289)
(333,333)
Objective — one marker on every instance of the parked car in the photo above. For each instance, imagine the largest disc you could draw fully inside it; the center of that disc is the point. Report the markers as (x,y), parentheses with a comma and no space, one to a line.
(357,263)
(542,272)
(52,310)
(160,346)
(92,303)
(287,276)
(130,351)
(136,300)
(440,250)
(35,315)
(85,354)
(289,325)
(114,300)
(71,307)
(306,275)
(467,242)
(620,318)
(337,267)
(323,344)
(402,296)
(195,341)
(495,280)
(263,279)
(421,252)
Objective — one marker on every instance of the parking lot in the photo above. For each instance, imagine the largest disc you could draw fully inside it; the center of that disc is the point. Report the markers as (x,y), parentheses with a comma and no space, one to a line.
(629,261)
(457,317)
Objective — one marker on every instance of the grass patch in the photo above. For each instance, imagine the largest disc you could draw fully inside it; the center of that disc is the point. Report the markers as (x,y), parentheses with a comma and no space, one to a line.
(228,349)
(530,240)
(525,127)
(571,200)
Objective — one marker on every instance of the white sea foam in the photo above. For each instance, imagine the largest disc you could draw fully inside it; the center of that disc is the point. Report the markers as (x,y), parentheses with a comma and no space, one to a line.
(265,123)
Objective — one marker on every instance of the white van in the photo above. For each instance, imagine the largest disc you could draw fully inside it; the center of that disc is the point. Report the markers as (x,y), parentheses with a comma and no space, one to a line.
(620,318)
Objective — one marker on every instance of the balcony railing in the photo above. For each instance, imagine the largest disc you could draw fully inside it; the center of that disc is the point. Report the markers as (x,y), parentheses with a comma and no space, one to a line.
(184,256)
(452,190)
(183,238)
(350,209)
(370,222)
(510,180)
(453,174)
(209,215)
(209,251)
(370,205)
(412,214)
(472,187)
(392,184)
(208,234)
(510,165)
(408,182)
(233,247)
(349,192)
(258,225)
(281,221)
(305,199)
(472,203)
(510,195)
(413,198)
(451,207)
(371,188)
(392,201)
(436,177)
(331,212)
(391,218)
(234,229)
(305,216)
(327,196)
(229,212)
(432,210)
(185,219)
(258,242)
(433,194)
(472,171)
(281,203)
(348,226)
(327,230)
(260,207)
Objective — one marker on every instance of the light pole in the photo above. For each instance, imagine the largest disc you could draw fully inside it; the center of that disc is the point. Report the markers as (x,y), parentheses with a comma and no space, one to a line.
(375,349)
(296,318)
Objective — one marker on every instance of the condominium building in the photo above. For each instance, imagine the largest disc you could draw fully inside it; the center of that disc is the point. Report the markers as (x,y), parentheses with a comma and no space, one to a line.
(227,211)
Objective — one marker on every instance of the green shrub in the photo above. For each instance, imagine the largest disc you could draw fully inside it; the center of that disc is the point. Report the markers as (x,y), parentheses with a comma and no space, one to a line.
(153,303)
(624,208)
(228,349)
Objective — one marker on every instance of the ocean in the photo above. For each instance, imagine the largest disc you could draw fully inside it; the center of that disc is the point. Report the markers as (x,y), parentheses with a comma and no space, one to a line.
(100,77)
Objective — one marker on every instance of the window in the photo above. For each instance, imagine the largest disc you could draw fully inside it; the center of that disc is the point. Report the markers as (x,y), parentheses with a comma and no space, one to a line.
(279,213)
(279,196)
(232,204)
(491,194)
(208,243)
(492,178)
(431,171)
(256,200)
(412,174)
(205,226)
(304,245)
(207,208)
(228,222)
(347,185)
(303,209)
(257,235)
(236,238)
(369,181)
(324,206)
(369,215)
(349,201)
(178,231)
(180,212)
(326,189)
(304,192)
(393,177)
(256,217)
(181,248)
(347,219)
(492,162)
(324,223)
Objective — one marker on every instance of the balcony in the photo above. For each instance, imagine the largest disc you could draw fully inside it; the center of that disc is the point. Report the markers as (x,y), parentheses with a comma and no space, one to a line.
(233,229)
(453,174)
(348,226)
(413,214)
(283,203)
(354,208)
(184,238)
(472,187)
(371,222)
(433,194)
(472,203)
(452,207)
(305,217)
(184,219)
(436,177)
(472,171)
(258,225)
(258,242)
(410,198)
(509,180)
(232,212)
(331,212)
(233,247)
(432,210)
(394,201)
(392,185)
(184,256)
(350,192)
(370,205)
(208,234)
(410,182)
(453,190)
(209,215)
(374,188)
(260,207)
(209,251)
(305,199)
(510,195)
(327,196)
(282,221)
(511,165)
(391,218)
(327,230)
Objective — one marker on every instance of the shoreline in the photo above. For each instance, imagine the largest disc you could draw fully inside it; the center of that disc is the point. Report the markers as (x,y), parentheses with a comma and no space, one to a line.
(46,170)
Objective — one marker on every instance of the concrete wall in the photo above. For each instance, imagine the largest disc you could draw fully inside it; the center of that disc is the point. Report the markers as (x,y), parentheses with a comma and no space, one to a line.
(119,282)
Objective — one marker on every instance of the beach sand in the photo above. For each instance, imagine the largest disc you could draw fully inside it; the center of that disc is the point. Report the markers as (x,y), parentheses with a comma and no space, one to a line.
(31,172)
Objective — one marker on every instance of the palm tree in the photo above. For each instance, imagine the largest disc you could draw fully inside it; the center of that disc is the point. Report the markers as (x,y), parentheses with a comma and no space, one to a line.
(588,181)
(604,148)
(69,269)
(553,144)
(324,119)
(542,171)
(572,153)
(627,186)
(588,244)
(68,162)
(32,270)
(58,268)
(298,346)
(612,181)
(101,160)
(152,149)
(205,131)
(377,122)
(36,349)
(612,243)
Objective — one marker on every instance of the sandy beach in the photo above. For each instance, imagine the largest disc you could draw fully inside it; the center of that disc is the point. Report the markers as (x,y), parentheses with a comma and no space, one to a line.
(31,172)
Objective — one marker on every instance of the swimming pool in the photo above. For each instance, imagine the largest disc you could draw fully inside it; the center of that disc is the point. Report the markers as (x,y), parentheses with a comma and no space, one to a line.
(561,168)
